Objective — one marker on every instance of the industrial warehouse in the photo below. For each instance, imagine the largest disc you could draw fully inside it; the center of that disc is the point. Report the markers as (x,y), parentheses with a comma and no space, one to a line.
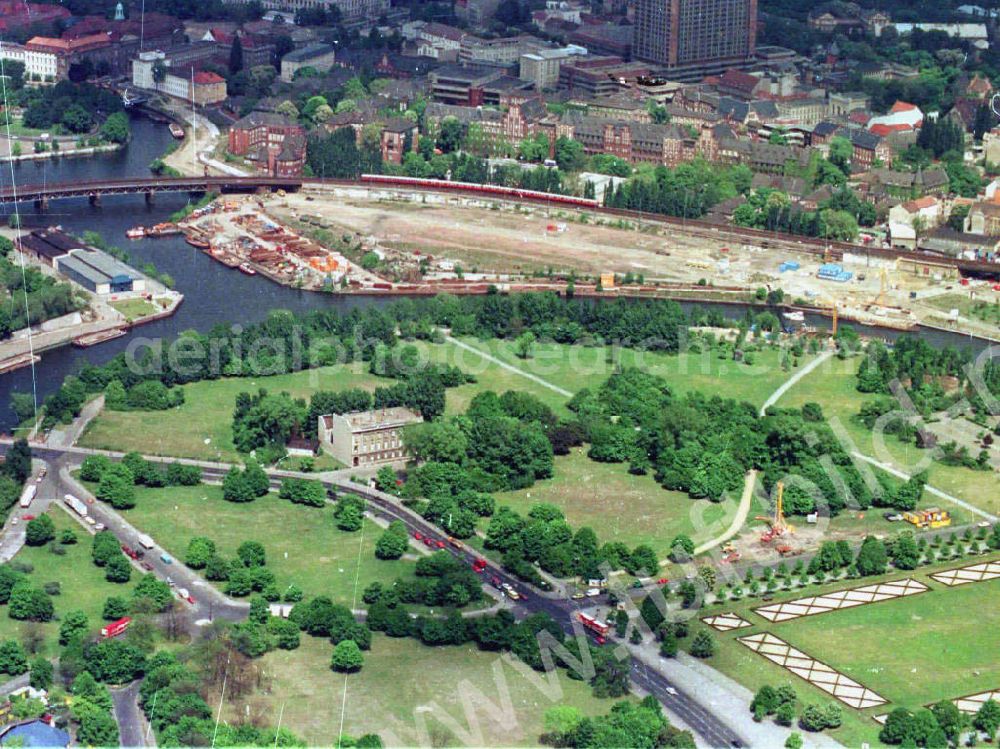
(91,268)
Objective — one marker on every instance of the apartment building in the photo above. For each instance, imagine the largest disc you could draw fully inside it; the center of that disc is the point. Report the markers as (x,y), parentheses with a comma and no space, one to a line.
(366,438)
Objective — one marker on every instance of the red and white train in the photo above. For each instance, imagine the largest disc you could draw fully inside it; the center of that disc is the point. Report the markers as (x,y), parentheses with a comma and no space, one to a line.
(497,190)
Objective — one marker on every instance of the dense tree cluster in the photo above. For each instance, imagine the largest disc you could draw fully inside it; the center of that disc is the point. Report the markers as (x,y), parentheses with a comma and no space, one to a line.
(630,724)
(47,297)
(148,395)
(704,446)
(688,190)
(74,106)
(172,696)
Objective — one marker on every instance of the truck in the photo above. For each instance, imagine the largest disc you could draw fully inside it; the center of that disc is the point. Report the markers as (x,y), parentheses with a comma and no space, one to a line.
(77,506)
(145,541)
(115,628)
(28,494)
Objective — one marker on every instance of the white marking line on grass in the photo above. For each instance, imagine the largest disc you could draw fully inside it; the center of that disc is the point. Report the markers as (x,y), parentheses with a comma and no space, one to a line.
(510,367)
(726,622)
(831,681)
(971,703)
(841,599)
(973,573)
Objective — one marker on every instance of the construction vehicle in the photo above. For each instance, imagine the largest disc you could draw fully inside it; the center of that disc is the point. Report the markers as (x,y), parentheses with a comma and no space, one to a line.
(778,525)
(932,517)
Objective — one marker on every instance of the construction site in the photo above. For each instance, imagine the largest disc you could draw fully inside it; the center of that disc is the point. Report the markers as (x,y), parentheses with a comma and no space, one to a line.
(423,243)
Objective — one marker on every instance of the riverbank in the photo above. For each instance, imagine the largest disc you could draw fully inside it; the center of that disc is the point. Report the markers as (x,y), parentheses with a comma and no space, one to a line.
(50,154)
(21,350)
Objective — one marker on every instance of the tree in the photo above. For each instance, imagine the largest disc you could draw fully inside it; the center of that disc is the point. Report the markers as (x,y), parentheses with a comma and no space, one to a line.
(18,461)
(569,154)
(116,128)
(987,719)
(114,608)
(524,344)
(252,554)
(39,531)
(871,557)
(12,659)
(236,55)
(303,492)
(73,627)
(393,542)
(794,741)
(114,661)
(117,487)
(703,645)
(28,603)
(347,657)
(235,487)
(41,673)
(905,553)
(199,551)
(118,570)
(682,547)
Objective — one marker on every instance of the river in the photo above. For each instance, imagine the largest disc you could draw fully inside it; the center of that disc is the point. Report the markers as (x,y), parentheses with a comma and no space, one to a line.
(212,293)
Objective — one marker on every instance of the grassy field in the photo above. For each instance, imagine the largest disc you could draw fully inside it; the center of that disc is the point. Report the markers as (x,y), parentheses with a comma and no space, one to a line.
(402,681)
(833,386)
(936,649)
(202,427)
(82,583)
(985,308)
(303,545)
(617,505)
(133,309)
(575,367)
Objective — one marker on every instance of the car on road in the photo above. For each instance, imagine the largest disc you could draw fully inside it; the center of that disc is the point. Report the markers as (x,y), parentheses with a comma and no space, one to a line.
(983,524)
(147,566)
(439,543)
(14,521)
(171,583)
(592,592)
(455,542)
(663,581)
(577,596)
(892,517)
(100,527)
(165,558)
(27,518)
(418,536)
(672,691)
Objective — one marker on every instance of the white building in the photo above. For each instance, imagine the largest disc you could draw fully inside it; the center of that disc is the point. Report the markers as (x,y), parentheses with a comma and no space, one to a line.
(969,32)
(350,10)
(542,66)
(905,219)
(366,438)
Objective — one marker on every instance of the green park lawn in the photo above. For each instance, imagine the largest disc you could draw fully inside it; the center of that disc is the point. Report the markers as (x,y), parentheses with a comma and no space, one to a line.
(82,583)
(576,367)
(303,545)
(911,651)
(401,680)
(133,309)
(832,385)
(617,505)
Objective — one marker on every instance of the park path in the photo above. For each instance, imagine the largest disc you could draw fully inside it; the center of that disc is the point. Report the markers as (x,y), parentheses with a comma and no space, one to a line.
(510,367)
(892,470)
(787,384)
(742,510)
(746,500)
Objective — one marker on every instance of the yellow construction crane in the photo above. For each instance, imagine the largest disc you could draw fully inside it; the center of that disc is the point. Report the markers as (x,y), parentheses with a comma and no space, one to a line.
(778,523)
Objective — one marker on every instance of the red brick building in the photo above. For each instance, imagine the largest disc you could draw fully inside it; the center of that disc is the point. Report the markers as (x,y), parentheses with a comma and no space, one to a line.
(275,143)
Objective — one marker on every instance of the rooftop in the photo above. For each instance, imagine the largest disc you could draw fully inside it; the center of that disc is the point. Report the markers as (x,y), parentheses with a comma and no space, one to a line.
(383,418)
(309,52)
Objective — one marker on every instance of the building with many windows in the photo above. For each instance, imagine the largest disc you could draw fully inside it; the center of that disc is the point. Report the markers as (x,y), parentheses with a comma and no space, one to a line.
(693,38)
(366,438)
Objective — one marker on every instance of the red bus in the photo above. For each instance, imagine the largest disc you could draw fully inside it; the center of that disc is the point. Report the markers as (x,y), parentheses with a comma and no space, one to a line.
(116,628)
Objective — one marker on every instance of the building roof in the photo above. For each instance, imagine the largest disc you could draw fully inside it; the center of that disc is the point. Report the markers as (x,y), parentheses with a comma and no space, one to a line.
(36,733)
(206,77)
(737,80)
(825,128)
(263,119)
(97,266)
(383,418)
(919,204)
(309,52)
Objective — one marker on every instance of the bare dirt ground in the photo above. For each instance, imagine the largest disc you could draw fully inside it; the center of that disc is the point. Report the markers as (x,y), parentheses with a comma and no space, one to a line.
(501,242)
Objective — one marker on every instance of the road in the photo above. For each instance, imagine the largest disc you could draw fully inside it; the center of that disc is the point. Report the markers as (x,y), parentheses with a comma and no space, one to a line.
(746,500)
(790,382)
(713,730)
(510,367)
(131,723)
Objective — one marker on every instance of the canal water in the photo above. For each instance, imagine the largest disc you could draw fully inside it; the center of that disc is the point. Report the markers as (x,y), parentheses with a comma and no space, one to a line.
(213,293)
